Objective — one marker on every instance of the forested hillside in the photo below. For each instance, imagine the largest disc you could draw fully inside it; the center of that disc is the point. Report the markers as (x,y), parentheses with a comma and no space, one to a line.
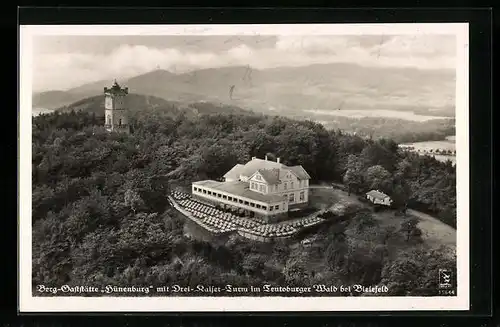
(136,102)
(100,215)
(139,105)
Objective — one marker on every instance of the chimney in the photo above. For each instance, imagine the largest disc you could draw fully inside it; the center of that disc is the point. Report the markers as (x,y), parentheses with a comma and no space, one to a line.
(265,158)
(278,160)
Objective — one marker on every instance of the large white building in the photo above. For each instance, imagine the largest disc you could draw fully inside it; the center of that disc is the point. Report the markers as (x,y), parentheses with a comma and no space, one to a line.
(261,187)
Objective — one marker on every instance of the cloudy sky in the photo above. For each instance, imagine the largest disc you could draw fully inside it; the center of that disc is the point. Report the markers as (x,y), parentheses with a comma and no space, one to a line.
(62,62)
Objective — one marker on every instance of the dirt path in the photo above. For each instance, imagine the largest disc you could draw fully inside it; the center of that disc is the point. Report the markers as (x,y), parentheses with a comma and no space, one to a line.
(434,231)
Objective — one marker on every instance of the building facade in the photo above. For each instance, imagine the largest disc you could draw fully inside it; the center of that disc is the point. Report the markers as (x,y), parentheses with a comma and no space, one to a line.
(260,188)
(116,109)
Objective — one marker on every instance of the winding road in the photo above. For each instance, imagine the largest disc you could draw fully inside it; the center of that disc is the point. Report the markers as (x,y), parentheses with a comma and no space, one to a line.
(434,232)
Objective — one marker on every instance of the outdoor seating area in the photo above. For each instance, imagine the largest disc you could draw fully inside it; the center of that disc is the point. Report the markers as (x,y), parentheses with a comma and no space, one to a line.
(214,212)
(221,221)
(206,218)
(177,195)
(306,222)
(275,230)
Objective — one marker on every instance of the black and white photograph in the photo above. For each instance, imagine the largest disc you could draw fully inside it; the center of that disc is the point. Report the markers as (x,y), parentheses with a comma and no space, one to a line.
(313,167)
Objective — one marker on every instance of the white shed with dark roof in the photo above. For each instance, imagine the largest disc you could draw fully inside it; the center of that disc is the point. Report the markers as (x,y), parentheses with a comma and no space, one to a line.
(378,197)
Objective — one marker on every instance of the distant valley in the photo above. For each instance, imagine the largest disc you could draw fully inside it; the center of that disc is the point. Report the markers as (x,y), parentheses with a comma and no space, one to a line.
(289,91)
(407,105)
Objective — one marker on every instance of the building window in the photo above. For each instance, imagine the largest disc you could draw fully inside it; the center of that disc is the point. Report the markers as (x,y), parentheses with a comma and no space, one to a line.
(120,122)
(258,177)
(258,206)
(292,197)
(224,197)
(219,195)
(246,203)
(108,120)
(291,185)
(271,208)
(264,208)
(302,196)
(277,207)
(204,191)
(240,201)
(286,186)
(252,204)
(261,188)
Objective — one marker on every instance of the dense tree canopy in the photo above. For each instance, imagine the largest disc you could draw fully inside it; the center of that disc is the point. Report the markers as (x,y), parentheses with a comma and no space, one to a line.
(100,214)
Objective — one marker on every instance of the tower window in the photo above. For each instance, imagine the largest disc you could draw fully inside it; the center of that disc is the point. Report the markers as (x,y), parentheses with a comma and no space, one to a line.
(120,122)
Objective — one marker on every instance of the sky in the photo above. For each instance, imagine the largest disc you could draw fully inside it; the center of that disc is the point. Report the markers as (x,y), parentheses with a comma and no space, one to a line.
(63,62)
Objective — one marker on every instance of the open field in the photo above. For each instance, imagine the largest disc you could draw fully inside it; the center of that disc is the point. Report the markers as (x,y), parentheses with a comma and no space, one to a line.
(432,145)
(448,144)
(386,113)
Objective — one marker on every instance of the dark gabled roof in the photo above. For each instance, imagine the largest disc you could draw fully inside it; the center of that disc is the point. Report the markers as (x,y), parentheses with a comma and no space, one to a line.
(271,176)
(235,172)
(377,194)
(269,170)
(300,172)
(255,164)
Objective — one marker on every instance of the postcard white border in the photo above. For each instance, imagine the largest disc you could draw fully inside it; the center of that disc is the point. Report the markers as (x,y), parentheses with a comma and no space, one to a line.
(28,303)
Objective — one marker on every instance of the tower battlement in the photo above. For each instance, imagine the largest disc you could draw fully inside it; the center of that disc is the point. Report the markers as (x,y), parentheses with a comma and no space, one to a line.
(116,89)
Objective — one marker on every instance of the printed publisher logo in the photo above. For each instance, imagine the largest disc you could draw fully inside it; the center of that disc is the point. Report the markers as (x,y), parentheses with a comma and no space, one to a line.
(445,276)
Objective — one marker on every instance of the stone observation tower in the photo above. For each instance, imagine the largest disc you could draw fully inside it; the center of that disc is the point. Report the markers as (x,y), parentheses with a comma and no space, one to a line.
(116,109)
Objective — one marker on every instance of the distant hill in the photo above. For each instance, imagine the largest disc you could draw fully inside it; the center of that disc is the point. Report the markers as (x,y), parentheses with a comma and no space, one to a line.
(136,102)
(54,99)
(289,90)
(139,102)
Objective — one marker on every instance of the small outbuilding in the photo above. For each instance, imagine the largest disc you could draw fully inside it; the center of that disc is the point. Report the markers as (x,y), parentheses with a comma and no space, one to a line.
(378,197)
